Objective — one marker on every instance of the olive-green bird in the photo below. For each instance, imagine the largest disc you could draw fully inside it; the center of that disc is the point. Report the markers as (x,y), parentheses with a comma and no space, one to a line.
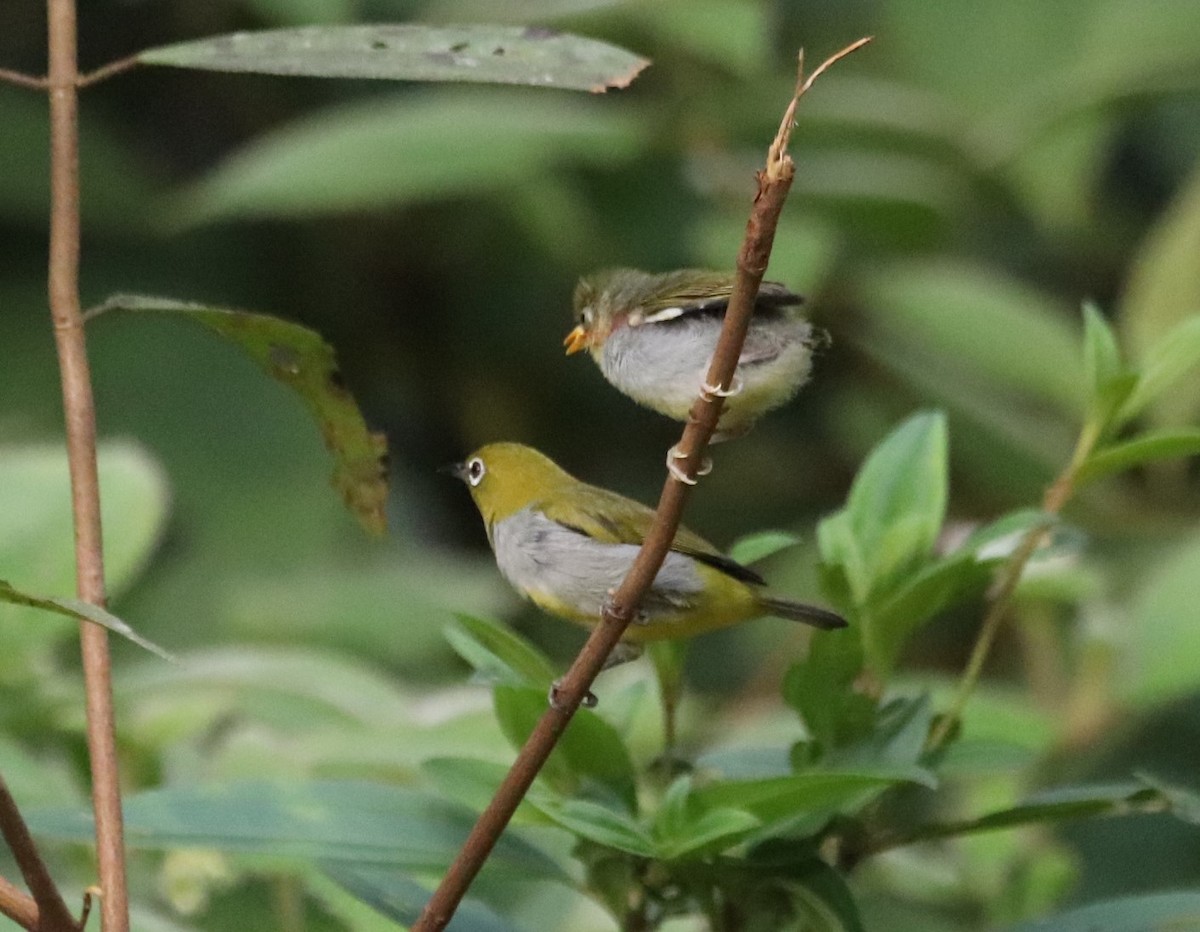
(567,545)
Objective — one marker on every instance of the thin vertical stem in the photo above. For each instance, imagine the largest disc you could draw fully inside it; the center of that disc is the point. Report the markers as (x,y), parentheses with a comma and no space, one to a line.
(1056,497)
(80,416)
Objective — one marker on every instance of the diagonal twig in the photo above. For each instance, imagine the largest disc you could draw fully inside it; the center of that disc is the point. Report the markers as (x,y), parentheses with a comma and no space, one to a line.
(774,181)
(44,910)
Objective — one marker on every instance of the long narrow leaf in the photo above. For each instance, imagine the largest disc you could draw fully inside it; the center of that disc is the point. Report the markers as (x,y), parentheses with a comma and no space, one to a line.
(414,52)
(1166,444)
(81,611)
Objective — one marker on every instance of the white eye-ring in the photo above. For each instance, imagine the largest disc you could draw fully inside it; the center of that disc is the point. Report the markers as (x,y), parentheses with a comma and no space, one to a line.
(475,471)
(585,316)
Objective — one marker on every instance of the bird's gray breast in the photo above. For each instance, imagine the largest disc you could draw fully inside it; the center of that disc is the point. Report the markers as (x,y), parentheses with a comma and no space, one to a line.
(664,364)
(537,554)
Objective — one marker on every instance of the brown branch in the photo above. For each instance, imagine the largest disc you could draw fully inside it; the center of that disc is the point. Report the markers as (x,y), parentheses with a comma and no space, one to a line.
(45,910)
(80,415)
(18,906)
(773,183)
(32,81)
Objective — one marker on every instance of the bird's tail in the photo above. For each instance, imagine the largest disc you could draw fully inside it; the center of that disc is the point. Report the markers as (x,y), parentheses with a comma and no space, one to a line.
(798,611)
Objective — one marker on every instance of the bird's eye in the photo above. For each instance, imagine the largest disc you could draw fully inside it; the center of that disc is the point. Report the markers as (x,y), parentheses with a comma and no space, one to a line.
(585,317)
(475,471)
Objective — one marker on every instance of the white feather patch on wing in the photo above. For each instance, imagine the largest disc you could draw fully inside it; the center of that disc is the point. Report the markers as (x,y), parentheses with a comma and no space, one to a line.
(667,313)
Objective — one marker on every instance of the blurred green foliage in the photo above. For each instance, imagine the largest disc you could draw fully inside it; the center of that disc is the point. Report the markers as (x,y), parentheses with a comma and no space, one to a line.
(963,185)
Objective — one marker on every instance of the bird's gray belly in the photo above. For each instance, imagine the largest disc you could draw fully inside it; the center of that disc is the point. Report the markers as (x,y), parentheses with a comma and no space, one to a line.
(537,554)
(663,365)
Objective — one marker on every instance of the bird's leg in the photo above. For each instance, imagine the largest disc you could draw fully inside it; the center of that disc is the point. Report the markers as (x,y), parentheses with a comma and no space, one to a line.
(622,652)
(674,454)
(708,393)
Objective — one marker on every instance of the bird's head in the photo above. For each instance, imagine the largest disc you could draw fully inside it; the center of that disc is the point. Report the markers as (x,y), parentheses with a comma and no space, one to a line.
(504,478)
(600,305)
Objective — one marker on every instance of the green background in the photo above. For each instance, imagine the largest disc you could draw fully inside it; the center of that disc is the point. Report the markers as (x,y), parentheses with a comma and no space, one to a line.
(963,185)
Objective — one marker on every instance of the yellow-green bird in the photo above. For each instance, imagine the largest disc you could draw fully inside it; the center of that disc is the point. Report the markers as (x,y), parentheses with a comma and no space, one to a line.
(653,336)
(567,545)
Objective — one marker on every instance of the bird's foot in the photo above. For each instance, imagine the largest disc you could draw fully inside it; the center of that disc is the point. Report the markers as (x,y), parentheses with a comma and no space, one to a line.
(716,391)
(589,700)
(674,454)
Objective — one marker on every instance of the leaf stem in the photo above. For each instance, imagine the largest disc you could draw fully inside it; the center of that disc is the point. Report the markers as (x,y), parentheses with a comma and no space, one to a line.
(1053,501)
(774,181)
(106,71)
(80,415)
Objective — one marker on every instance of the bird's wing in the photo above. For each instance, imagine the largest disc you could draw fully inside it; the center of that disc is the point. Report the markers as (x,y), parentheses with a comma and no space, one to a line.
(611,518)
(690,292)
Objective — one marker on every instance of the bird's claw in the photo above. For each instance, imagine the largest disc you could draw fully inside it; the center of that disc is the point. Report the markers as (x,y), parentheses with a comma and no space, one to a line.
(716,391)
(589,700)
(674,454)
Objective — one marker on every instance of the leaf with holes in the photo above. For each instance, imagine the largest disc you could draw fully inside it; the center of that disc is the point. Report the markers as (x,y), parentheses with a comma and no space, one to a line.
(486,54)
(302,360)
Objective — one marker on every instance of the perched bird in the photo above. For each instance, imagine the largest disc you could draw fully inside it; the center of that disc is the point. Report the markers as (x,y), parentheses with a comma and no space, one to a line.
(653,337)
(567,545)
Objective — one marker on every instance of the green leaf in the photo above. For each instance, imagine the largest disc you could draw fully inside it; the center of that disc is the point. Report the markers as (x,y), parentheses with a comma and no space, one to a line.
(1163,365)
(1159,308)
(1109,385)
(466,780)
(929,591)
(346,821)
(684,829)
(823,901)
(80,611)
(711,832)
(976,326)
(1157,911)
(755,547)
(597,823)
(1101,357)
(894,511)
(499,653)
(318,683)
(1156,445)
(401,898)
(997,539)
(590,750)
(1056,805)
(845,566)
(1158,663)
(414,52)
(300,359)
(821,688)
(897,738)
(1183,801)
(965,572)
(36,529)
(814,792)
(409,148)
